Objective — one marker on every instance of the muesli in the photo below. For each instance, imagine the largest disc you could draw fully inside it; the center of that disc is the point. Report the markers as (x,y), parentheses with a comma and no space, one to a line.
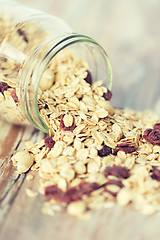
(95,156)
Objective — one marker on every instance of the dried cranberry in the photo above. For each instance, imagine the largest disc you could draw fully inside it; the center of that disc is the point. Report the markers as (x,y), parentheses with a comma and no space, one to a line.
(71,195)
(49,142)
(64,128)
(108,95)
(87,188)
(104,151)
(146,133)
(3,87)
(152,136)
(157,127)
(113,182)
(76,193)
(53,192)
(155,174)
(117,171)
(14,95)
(88,78)
(125,147)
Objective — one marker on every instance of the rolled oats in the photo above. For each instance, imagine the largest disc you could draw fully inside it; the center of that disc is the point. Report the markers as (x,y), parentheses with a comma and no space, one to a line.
(96,156)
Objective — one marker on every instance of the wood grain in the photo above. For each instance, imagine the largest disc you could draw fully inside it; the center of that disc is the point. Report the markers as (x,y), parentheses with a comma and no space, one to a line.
(129,31)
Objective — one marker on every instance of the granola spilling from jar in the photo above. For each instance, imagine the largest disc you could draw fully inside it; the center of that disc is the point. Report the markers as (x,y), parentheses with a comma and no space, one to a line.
(95,156)
(17,43)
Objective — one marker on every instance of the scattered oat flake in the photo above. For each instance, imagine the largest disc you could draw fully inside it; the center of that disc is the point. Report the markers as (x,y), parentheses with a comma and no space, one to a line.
(113,191)
(29,177)
(31,193)
(14,96)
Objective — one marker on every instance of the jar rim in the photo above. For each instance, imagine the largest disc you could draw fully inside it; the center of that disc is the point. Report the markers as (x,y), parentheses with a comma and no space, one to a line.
(34,68)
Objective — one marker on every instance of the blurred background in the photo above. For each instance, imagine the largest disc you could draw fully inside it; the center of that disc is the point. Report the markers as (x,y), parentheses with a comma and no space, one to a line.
(129,32)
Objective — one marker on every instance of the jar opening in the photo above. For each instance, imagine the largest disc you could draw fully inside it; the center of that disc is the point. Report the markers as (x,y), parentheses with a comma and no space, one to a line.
(39,72)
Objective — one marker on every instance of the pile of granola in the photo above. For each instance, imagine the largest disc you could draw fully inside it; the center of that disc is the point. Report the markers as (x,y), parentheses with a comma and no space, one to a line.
(17,43)
(95,155)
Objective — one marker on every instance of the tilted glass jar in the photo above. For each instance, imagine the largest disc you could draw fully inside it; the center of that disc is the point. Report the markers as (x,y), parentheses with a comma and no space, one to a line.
(29,41)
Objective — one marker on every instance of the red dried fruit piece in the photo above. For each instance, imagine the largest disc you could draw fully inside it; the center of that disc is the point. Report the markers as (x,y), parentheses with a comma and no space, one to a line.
(3,87)
(53,192)
(87,188)
(113,182)
(76,193)
(157,127)
(117,171)
(146,133)
(155,174)
(64,128)
(72,195)
(108,95)
(49,142)
(104,151)
(14,96)
(23,34)
(125,147)
(152,136)
(88,78)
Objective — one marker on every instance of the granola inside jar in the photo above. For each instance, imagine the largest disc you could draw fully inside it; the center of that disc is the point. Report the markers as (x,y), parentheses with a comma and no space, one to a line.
(37,54)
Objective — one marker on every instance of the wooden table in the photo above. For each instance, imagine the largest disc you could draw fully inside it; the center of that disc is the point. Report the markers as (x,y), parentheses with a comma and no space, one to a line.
(130,33)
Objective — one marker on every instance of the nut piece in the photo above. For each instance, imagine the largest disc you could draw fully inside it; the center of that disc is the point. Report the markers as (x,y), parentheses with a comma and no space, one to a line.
(47,80)
(76,208)
(23,160)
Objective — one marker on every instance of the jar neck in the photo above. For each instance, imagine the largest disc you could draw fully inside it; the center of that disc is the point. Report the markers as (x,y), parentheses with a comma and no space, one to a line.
(33,69)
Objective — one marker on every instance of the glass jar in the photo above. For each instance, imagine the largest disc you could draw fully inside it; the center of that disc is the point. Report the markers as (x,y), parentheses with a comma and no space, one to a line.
(30,42)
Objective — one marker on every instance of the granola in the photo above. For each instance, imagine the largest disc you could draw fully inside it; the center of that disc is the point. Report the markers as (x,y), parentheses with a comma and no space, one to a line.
(95,155)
